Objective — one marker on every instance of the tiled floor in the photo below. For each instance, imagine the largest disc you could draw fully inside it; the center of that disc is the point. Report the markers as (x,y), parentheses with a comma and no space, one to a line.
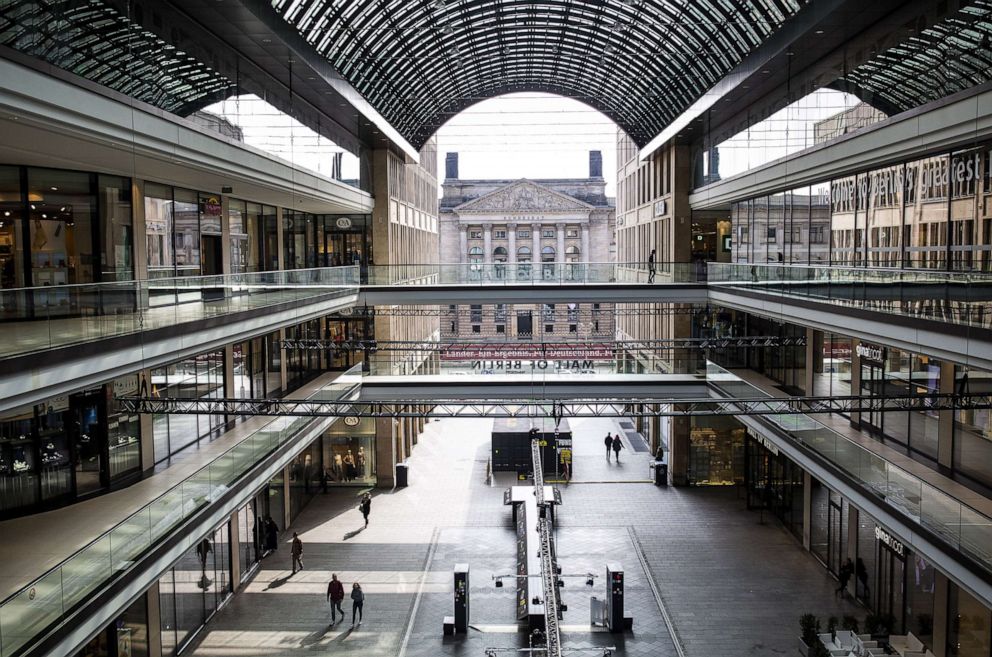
(731,585)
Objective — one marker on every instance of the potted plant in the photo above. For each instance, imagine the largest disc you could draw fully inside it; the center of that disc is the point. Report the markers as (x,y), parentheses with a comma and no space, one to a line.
(809,627)
(849,623)
(832,627)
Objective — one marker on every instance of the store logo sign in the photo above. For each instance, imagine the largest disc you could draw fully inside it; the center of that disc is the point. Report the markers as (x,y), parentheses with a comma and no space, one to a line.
(660,207)
(869,351)
(343,222)
(893,544)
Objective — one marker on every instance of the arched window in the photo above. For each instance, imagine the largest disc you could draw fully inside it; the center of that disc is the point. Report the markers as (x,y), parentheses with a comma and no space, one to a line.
(475,254)
(523,254)
(548,254)
(500,254)
(572,254)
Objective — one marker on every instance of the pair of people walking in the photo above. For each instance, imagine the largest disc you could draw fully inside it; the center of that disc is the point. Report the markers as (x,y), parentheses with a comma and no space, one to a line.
(613,443)
(335,595)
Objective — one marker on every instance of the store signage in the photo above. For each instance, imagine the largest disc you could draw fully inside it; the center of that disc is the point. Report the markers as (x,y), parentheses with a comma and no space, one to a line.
(351,421)
(210,206)
(343,222)
(891,542)
(532,365)
(527,352)
(869,351)
(660,207)
(563,442)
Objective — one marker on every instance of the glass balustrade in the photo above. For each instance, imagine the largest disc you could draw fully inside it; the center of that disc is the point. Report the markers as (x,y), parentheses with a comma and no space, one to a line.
(538,273)
(41,318)
(50,598)
(958,524)
(952,297)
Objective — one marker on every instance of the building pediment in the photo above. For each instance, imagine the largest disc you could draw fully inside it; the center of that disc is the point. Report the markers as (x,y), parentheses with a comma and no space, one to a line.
(523,196)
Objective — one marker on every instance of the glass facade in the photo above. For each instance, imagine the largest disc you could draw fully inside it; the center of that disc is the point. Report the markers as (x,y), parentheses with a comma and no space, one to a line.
(127,636)
(973,428)
(191,592)
(774,483)
(67,448)
(969,623)
(716,451)
(930,213)
(200,377)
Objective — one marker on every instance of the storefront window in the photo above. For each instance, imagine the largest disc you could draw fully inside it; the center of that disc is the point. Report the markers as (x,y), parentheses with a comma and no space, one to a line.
(973,427)
(716,451)
(200,377)
(18,463)
(864,565)
(126,636)
(187,232)
(304,477)
(968,633)
(193,589)
(117,228)
(61,215)
(819,520)
(919,599)
(159,221)
(123,429)
(11,230)
(349,452)
(239,237)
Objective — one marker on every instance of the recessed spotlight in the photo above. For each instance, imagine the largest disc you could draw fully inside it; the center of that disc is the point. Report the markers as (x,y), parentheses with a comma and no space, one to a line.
(6,213)
(819,31)
(55,189)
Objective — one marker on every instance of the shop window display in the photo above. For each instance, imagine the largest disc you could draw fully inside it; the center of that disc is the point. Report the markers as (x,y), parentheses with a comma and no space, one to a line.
(973,428)
(349,452)
(969,623)
(716,451)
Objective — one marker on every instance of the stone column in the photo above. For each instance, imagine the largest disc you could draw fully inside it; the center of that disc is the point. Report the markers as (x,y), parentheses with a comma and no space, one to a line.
(511,236)
(487,243)
(463,244)
(586,256)
(560,249)
(535,234)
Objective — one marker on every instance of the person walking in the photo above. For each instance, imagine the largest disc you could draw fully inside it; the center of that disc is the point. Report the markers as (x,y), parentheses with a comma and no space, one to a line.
(365,507)
(652,267)
(861,571)
(617,446)
(844,576)
(608,441)
(297,552)
(357,602)
(335,595)
(271,534)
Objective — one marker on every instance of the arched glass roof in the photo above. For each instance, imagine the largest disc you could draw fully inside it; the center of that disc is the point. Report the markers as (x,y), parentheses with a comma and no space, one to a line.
(640,62)
(932,62)
(98,43)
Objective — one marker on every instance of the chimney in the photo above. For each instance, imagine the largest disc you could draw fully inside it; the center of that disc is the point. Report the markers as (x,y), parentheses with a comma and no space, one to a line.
(451,166)
(595,164)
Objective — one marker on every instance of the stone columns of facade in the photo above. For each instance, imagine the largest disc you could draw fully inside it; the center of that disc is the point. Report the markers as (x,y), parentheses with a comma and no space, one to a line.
(487,243)
(511,236)
(560,248)
(535,234)
(463,244)
(586,256)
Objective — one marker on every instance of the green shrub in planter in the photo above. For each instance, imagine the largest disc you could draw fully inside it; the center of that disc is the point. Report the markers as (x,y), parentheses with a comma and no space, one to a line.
(809,627)
(849,623)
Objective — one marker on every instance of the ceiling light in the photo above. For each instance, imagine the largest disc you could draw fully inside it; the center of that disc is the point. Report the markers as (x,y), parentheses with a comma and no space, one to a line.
(55,189)
(819,31)
(6,213)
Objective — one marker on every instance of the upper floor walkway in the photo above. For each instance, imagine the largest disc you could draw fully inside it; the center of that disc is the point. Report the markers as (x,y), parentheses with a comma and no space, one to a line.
(59,338)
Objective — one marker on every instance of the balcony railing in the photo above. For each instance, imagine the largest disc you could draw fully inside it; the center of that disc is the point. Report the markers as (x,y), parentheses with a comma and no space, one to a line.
(536,273)
(40,318)
(50,599)
(959,525)
(953,297)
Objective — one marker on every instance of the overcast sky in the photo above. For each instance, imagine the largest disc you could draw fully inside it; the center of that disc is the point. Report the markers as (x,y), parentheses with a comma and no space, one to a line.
(529,135)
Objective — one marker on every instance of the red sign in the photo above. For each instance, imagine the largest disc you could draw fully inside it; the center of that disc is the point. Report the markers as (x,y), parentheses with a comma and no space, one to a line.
(528,352)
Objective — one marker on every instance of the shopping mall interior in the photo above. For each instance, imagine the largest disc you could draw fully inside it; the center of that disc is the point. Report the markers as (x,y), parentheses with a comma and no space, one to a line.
(303,293)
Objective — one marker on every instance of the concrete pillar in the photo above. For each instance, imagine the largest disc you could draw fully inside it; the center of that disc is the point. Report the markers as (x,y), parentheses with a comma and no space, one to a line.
(945,419)
(154,609)
(487,243)
(560,247)
(463,244)
(807,508)
(511,236)
(678,462)
(280,239)
(287,517)
(385,452)
(812,358)
(283,371)
(235,551)
(535,238)
(586,256)
(855,379)
(851,549)
(146,423)
(225,234)
(940,619)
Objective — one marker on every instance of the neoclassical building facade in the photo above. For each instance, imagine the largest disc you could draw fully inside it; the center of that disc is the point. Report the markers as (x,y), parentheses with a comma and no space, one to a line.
(524,229)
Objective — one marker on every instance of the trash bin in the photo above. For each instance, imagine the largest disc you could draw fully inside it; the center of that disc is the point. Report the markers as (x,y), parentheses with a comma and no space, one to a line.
(660,473)
(401,474)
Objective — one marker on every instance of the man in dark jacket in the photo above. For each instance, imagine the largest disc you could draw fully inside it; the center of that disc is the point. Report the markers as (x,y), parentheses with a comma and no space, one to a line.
(366,507)
(608,441)
(335,594)
(297,551)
